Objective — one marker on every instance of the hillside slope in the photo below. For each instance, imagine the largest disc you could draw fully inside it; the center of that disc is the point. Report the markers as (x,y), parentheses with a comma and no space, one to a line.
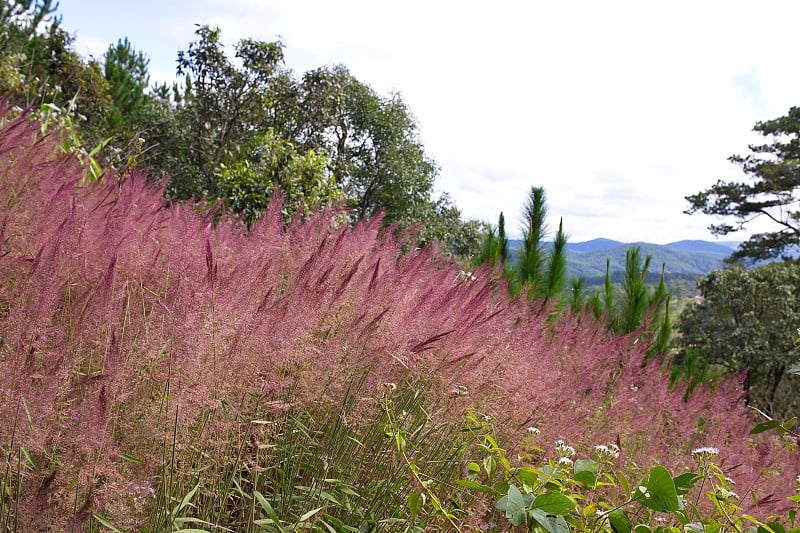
(149,350)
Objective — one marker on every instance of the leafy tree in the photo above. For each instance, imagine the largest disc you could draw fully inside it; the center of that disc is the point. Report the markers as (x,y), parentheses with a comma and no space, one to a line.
(271,163)
(771,191)
(743,323)
(242,120)
(21,22)
(440,220)
(371,141)
(40,66)
(222,105)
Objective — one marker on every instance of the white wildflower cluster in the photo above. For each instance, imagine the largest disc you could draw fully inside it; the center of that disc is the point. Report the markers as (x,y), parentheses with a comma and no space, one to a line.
(533,431)
(704,453)
(798,483)
(608,453)
(389,386)
(565,461)
(563,449)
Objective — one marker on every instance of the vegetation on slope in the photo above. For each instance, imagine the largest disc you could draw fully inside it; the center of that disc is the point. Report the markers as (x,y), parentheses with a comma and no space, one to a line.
(156,365)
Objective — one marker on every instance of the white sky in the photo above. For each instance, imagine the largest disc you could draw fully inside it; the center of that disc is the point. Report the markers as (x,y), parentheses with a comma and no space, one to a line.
(618,109)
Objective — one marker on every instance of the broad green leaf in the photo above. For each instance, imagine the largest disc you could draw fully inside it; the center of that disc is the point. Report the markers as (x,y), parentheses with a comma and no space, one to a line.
(502,504)
(553,524)
(660,493)
(328,526)
(586,478)
(586,472)
(338,525)
(528,476)
(553,503)
(771,527)
(514,506)
(416,500)
(623,482)
(586,465)
(185,501)
(28,458)
(619,521)
(488,465)
(685,482)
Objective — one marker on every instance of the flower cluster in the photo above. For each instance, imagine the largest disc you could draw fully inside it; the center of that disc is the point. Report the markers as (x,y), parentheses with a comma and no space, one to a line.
(565,461)
(564,450)
(704,453)
(607,453)
(533,431)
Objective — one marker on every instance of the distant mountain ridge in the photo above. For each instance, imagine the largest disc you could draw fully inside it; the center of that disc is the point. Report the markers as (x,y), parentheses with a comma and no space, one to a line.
(687,258)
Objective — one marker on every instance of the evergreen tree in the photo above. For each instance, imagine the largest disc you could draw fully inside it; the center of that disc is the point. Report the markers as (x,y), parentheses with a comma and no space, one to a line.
(557,268)
(502,239)
(770,192)
(529,271)
(494,246)
(126,72)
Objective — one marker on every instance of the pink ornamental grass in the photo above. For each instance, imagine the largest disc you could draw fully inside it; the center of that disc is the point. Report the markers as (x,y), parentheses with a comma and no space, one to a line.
(119,310)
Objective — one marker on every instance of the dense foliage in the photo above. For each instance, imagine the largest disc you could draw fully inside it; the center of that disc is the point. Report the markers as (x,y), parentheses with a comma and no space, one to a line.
(168,365)
(144,347)
(745,323)
(235,129)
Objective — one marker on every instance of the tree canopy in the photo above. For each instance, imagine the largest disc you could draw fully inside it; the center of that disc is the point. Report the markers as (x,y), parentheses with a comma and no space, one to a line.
(234,129)
(238,130)
(771,191)
(746,322)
